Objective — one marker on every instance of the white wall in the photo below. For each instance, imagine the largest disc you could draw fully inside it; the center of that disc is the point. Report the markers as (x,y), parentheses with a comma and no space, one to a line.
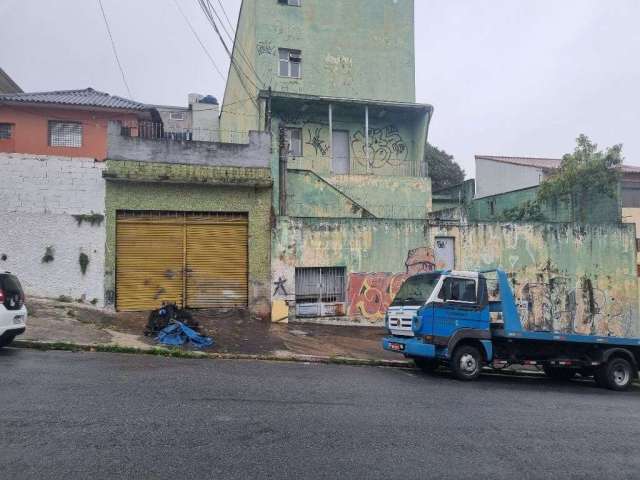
(38,196)
(498,177)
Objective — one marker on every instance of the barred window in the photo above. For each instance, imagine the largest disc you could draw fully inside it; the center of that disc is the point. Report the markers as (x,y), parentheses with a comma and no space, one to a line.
(5,131)
(65,134)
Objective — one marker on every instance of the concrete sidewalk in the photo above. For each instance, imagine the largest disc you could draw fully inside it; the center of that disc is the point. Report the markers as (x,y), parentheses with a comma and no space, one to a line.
(235,332)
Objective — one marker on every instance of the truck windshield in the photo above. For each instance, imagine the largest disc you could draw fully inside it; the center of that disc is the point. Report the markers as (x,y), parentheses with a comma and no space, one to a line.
(416,290)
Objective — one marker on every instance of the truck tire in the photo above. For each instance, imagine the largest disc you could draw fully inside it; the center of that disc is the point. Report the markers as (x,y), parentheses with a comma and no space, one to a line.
(427,365)
(466,362)
(616,374)
(558,373)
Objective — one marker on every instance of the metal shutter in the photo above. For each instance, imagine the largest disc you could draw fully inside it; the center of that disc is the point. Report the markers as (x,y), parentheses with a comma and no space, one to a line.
(217,262)
(149,262)
(194,260)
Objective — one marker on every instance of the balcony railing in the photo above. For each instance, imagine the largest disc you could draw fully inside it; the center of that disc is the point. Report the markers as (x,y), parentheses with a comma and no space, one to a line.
(158,131)
(360,165)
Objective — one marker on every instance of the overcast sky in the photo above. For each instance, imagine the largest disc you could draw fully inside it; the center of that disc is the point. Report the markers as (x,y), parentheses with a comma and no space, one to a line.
(506,77)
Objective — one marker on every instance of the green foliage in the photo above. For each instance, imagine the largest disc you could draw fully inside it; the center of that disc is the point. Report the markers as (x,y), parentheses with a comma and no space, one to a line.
(48,256)
(83,260)
(443,169)
(585,173)
(528,211)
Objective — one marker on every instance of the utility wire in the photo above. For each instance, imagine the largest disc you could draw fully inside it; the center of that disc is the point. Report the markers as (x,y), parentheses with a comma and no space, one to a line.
(115,51)
(195,34)
(204,5)
(226,16)
(236,46)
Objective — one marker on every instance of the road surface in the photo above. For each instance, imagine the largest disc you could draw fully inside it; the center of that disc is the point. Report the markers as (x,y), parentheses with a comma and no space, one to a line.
(85,415)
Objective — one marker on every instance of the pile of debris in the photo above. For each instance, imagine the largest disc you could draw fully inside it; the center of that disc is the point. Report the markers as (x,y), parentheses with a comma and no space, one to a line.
(176,327)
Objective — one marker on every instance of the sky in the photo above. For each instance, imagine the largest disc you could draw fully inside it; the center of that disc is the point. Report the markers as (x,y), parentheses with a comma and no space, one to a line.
(506,77)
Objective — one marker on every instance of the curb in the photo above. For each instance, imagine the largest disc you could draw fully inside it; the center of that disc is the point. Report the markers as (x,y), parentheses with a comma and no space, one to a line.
(178,353)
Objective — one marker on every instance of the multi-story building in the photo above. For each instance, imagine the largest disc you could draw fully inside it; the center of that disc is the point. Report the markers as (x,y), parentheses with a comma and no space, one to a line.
(334,81)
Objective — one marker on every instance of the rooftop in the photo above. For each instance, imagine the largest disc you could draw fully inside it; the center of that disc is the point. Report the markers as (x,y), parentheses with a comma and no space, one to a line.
(542,163)
(87,97)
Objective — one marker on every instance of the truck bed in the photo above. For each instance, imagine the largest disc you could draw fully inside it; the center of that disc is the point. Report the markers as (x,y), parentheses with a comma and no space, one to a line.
(501,333)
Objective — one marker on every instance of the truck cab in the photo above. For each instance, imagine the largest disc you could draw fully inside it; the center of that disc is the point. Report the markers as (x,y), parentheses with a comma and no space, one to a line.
(434,312)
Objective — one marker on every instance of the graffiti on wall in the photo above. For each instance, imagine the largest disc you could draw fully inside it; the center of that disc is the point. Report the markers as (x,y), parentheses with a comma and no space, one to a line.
(265,47)
(340,69)
(386,147)
(370,294)
(316,141)
(563,305)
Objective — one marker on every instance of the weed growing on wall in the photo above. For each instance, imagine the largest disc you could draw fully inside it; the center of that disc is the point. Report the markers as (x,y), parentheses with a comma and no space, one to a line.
(94,219)
(83,260)
(48,256)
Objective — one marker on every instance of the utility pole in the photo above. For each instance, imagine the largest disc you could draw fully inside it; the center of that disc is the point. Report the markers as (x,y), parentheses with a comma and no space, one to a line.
(268,115)
(283,154)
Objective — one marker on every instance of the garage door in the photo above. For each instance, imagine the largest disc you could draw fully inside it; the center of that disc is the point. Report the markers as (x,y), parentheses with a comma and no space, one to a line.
(196,260)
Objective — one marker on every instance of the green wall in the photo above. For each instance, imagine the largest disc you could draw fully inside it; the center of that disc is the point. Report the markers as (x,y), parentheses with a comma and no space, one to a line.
(601,209)
(139,193)
(566,277)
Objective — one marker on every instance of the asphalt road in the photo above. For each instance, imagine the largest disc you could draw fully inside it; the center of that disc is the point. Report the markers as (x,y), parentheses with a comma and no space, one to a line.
(84,415)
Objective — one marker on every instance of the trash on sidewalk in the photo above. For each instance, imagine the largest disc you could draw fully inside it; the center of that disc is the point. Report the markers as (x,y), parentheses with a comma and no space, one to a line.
(177,334)
(161,318)
(174,326)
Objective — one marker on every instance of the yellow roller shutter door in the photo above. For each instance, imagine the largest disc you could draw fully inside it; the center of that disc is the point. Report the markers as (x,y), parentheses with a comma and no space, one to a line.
(217,263)
(195,260)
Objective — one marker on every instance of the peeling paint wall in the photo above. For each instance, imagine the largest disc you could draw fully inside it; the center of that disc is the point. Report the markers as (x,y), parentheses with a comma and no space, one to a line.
(566,277)
(147,195)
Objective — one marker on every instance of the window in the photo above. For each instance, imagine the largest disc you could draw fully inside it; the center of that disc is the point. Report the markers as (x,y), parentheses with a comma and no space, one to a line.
(319,290)
(458,290)
(5,131)
(176,116)
(65,134)
(290,63)
(630,196)
(294,139)
(291,3)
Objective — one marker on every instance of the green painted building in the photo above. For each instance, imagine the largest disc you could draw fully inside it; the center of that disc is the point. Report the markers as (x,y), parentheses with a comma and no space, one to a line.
(334,81)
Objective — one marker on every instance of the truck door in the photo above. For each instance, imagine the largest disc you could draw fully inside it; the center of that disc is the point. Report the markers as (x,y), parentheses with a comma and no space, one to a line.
(457,307)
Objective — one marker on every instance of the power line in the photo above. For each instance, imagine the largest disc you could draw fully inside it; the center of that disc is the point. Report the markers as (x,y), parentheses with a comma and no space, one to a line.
(204,5)
(226,16)
(115,51)
(213,62)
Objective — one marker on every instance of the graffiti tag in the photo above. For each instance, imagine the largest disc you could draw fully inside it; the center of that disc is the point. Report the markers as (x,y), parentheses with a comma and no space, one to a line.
(386,147)
(319,145)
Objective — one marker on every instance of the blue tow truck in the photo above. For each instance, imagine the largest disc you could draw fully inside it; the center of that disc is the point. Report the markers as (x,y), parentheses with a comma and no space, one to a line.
(446,318)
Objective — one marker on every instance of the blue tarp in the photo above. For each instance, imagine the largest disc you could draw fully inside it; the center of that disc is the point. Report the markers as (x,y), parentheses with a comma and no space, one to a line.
(178,334)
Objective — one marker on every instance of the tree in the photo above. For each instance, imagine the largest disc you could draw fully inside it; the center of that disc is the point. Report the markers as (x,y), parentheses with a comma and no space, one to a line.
(585,173)
(443,169)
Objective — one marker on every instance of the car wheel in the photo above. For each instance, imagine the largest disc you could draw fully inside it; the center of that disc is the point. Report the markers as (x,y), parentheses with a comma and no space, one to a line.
(466,362)
(5,342)
(427,365)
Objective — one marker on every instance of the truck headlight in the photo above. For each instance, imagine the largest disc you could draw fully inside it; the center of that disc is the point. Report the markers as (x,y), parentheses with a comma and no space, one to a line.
(416,324)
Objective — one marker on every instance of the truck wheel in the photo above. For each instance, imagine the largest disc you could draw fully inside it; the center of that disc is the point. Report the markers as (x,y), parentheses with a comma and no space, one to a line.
(427,365)
(559,373)
(617,374)
(466,362)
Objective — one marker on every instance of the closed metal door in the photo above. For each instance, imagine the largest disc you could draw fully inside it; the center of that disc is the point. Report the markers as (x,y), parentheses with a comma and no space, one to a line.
(194,260)
(149,262)
(340,163)
(217,262)
(444,253)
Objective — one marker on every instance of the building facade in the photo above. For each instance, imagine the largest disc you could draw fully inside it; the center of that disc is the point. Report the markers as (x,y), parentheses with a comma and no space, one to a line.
(334,82)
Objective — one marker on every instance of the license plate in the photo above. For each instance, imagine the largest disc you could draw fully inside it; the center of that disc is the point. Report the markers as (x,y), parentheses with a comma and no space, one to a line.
(398,347)
(18,319)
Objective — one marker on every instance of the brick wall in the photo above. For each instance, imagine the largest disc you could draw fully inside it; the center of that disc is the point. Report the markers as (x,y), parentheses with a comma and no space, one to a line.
(39,196)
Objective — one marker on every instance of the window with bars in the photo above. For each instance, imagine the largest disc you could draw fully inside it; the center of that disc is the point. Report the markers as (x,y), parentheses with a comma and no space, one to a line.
(5,131)
(65,134)
(290,63)
(294,139)
(291,3)
(320,285)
